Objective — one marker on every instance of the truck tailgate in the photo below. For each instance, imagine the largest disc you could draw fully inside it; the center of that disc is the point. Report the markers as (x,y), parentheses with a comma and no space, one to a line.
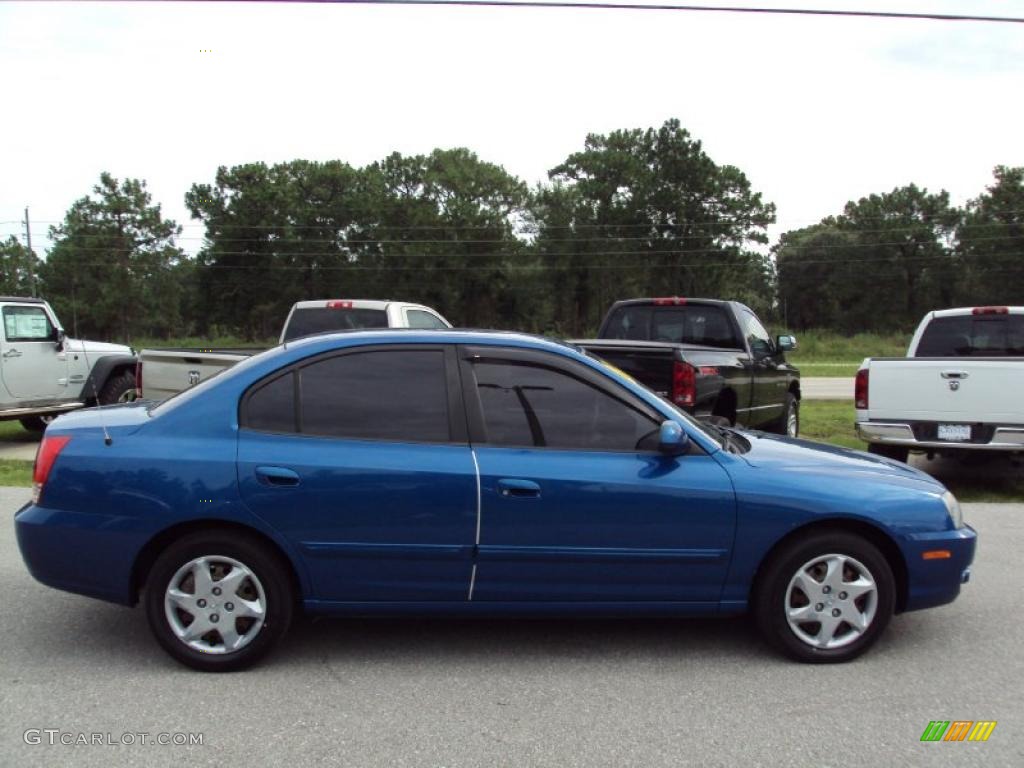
(166,372)
(650,363)
(954,389)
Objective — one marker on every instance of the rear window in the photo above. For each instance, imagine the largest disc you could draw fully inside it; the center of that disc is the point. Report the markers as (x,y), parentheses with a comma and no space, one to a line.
(690,324)
(973,336)
(307,321)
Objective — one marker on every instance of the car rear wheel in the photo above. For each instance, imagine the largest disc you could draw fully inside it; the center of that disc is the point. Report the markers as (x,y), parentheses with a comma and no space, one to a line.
(38,423)
(825,598)
(218,601)
(897,452)
(118,389)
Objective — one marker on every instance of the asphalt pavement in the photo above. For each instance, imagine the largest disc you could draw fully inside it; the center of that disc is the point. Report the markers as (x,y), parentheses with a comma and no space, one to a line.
(826,388)
(516,693)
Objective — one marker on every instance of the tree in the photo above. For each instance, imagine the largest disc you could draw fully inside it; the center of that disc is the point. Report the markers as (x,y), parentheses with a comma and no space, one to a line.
(17,266)
(990,241)
(876,267)
(111,265)
(648,212)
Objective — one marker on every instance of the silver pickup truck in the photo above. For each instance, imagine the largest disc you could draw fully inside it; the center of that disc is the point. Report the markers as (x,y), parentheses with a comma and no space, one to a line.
(958,389)
(165,372)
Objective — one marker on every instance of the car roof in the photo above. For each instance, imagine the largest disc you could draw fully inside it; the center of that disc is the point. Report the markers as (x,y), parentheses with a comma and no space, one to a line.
(958,311)
(358,303)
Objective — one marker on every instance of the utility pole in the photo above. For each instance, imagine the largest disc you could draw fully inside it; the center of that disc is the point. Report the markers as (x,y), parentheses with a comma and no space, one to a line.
(28,240)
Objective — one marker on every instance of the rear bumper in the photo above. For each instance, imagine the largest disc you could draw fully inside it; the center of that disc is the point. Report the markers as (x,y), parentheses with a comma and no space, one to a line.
(1004,438)
(937,580)
(81,553)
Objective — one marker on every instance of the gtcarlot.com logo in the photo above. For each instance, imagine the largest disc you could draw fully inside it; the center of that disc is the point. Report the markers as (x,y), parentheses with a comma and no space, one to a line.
(55,736)
(958,730)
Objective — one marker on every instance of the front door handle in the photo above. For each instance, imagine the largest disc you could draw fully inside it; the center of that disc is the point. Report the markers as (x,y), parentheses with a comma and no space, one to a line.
(277,476)
(12,353)
(518,488)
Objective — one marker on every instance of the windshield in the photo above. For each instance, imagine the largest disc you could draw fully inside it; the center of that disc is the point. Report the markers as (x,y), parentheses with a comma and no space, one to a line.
(973,336)
(307,321)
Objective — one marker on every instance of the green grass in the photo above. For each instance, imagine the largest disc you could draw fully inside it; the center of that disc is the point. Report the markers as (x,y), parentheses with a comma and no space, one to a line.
(13,432)
(14,472)
(826,353)
(987,477)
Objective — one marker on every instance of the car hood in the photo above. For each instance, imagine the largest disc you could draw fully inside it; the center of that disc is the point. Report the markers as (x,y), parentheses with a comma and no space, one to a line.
(786,453)
(97,348)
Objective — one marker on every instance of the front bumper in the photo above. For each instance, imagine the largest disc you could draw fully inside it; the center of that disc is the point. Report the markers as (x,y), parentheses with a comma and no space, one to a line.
(1005,438)
(936,580)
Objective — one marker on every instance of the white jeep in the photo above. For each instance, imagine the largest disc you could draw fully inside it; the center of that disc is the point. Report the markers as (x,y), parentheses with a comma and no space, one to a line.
(45,374)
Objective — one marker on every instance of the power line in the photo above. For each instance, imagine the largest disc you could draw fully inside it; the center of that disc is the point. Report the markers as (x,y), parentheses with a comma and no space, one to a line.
(691,8)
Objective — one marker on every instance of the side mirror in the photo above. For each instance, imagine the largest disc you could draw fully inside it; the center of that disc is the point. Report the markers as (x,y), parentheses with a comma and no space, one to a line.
(672,439)
(786,343)
(58,337)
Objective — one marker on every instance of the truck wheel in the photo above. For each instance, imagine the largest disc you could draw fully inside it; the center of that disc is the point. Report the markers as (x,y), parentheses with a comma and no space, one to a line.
(897,452)
(38,423)
(217,601)
(118,389)
(825,597)
(789,423)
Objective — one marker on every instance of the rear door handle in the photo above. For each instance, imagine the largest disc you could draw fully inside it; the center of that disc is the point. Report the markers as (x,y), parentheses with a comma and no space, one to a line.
(278,476)
(12,353)
(518,488)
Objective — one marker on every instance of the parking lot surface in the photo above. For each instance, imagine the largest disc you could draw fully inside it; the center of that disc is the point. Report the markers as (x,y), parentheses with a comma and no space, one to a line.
(522,693)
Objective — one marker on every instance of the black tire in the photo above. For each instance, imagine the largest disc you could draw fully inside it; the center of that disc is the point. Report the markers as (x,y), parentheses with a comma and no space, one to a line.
(771,601)
(897,452)
(120,388)
(37,423)
(792,409)
(272,575)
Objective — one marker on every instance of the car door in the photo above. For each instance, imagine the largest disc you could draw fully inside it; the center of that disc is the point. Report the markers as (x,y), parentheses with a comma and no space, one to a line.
(770,382)
(32,365)
(576,502)
(360,459)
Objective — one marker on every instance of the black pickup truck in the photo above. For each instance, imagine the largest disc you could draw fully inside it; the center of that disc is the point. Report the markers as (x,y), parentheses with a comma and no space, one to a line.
(711,358)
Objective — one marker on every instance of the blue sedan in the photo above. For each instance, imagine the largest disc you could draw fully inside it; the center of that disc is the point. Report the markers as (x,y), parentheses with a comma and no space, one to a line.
(468,473)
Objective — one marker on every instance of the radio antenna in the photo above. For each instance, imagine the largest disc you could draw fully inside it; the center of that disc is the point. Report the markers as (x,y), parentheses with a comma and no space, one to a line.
(91,382)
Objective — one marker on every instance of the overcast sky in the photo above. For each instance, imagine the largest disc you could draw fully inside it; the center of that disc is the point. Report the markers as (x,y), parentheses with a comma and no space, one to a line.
(816,111)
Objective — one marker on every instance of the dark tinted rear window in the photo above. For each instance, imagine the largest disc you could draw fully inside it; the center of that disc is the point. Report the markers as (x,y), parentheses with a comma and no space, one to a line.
(691,324)
(973,336)
(386,395)
(271,408)
(306,322)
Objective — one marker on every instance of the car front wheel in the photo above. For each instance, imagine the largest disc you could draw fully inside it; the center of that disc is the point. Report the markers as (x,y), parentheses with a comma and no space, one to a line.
(218,601)
(825,598)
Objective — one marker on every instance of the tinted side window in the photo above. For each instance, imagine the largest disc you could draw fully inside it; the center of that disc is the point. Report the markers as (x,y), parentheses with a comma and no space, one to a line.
(757,337)
(27,324)
(379,395)
(966,335)
(530,405)
(271,408)
(420,319)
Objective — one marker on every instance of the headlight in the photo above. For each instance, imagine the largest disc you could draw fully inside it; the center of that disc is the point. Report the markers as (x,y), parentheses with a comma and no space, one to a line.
(953,507)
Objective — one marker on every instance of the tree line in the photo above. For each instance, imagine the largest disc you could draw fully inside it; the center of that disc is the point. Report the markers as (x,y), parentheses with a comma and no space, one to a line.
(632,213)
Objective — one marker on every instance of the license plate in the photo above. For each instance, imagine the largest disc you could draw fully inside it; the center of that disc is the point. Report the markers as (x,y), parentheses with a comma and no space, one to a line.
(954,432)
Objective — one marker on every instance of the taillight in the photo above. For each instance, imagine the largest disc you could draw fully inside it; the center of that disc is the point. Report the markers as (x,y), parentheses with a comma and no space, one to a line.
(670,301)
(990,311)
(138,378)
(860,389)
(49,450)
(339,304)
(684,383)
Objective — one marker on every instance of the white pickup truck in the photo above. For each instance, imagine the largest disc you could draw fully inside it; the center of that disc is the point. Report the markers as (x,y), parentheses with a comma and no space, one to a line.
(45,374)
(164,372)
(960,387)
